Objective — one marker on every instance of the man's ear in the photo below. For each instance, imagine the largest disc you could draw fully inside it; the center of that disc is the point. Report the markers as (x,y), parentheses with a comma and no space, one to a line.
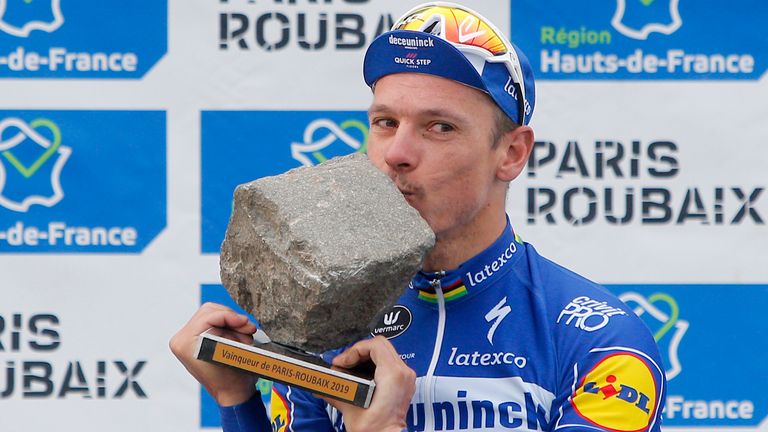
(514,147)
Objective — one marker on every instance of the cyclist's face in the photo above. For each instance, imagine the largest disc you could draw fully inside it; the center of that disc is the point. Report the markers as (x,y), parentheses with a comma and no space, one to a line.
(433,137)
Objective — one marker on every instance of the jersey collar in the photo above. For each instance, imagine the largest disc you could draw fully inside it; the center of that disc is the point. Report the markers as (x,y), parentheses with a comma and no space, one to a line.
(474,274)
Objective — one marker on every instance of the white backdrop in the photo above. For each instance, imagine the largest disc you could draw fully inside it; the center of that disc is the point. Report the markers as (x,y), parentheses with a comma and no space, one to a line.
(79,322)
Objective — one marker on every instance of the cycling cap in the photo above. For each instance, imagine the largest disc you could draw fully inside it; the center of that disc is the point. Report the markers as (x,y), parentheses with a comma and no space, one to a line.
(455,42)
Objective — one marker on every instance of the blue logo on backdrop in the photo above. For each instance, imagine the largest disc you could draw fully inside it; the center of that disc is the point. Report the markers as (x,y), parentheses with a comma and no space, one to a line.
(642,39)
(81,181)
(241,146)
(702,331)
(81,39)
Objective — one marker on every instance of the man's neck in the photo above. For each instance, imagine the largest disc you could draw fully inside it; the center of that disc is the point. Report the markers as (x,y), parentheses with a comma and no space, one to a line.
(454,248)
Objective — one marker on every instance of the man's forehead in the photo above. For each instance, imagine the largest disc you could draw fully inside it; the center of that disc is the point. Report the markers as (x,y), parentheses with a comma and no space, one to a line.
(426,93)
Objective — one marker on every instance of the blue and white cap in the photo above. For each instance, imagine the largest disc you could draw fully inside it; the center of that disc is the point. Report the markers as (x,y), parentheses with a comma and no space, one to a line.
(454,42)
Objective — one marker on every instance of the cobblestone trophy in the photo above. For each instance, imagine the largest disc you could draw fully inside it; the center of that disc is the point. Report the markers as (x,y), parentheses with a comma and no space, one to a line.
(316,255)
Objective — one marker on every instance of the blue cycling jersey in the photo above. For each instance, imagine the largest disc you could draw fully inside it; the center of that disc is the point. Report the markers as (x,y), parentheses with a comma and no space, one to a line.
(507,341)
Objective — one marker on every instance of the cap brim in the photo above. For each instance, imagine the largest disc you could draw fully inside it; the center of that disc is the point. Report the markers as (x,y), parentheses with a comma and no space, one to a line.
(402,51)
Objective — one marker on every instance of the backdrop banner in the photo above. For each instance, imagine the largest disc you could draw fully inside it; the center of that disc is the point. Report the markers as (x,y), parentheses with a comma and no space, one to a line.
(125,126)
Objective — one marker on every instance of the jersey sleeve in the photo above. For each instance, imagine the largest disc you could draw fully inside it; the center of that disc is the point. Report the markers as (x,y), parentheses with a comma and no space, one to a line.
(295,410)
(289,410)
(248,416)
(612,377)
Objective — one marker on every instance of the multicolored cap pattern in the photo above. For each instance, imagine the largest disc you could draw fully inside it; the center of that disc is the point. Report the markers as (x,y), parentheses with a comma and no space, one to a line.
(454,42)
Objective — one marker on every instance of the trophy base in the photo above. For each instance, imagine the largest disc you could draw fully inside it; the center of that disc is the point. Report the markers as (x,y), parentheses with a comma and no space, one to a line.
(292,367)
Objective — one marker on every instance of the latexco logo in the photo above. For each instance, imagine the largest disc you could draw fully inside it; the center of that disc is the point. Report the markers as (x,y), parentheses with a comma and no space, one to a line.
(242,146)
(66,39)
(641,39)
(61,190)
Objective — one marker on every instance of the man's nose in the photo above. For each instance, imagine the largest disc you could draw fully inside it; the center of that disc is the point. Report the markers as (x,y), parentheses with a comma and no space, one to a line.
(402,152)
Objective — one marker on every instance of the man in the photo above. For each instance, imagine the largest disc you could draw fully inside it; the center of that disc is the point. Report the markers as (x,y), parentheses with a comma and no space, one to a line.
(496,337)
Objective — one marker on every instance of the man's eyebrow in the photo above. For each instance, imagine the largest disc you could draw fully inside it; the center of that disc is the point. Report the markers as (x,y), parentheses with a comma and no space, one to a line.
(432,113)
(379,108)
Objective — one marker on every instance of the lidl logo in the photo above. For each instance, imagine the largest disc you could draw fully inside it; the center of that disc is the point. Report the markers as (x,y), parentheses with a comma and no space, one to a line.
(242,146)
(81,181)
(68,38)
(619,393)
(641,39)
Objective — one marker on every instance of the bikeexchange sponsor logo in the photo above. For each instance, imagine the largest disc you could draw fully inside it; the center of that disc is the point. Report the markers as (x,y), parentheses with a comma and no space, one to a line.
(643,39)
(61,191)
(46,42)
(277,25)
(661,312)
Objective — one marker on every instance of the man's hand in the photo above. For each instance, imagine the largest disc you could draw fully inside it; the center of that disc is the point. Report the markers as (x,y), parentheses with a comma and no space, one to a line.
(395,384)
(227,386)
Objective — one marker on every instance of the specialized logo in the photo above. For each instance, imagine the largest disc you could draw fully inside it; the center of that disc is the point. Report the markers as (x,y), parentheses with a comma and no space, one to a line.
(63,177)
(671,324)
(46,156)
(41,41)
(667,23)
(496,315)
(619,393)
(240,146)
(641,39)
(322,134)
(20,19)
(589,315)
(393,323)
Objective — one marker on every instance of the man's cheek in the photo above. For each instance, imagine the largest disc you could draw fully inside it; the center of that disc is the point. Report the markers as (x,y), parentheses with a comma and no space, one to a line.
(376,156)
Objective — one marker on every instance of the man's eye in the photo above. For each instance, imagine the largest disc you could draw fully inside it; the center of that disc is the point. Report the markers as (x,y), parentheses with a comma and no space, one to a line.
(385,123)
(441,128)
